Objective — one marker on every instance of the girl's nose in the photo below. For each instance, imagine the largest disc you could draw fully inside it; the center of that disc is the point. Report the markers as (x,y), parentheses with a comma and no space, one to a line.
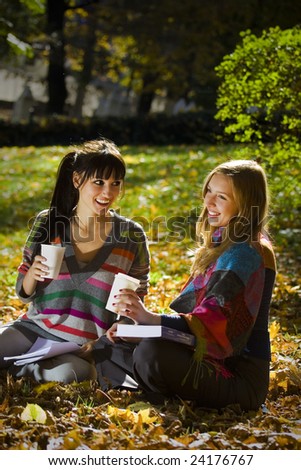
(106,189)
(210,199)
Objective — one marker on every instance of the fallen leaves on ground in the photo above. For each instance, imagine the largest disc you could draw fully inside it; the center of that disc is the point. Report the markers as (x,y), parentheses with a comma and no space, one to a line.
(81,416)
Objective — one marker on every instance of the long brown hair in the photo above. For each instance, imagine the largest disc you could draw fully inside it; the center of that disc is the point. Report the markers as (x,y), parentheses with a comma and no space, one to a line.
(250,192)
(99,158)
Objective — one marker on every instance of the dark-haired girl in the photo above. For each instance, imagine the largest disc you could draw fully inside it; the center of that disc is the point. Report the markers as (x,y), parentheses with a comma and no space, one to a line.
(99,243)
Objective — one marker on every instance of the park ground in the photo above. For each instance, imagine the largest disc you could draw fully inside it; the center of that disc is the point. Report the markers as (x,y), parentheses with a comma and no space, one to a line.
(163,190)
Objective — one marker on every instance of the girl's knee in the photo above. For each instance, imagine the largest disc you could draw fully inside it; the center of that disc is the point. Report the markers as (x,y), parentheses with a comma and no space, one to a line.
(70,369)
(151,361)
(147,351)
(65,369)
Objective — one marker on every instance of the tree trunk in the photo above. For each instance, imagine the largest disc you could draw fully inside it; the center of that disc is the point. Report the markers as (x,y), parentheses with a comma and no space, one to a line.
(147,95)
(87,67)
(57,92)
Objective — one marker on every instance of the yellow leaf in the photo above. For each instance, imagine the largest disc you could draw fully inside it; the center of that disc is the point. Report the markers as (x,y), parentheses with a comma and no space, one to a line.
(44,387)
(120,413)
(283,441)
(33,412)
(274,329)
(283,384)
(145,416)
(186,440)
(250,440)
(138,427)
(72,440)
(4,407)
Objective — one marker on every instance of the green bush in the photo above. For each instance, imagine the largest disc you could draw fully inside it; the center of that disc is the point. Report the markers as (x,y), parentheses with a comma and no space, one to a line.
(159,129)
(259,95)
(259,100)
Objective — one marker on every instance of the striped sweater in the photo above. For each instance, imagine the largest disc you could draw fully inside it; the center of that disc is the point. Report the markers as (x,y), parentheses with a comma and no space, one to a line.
(72,307)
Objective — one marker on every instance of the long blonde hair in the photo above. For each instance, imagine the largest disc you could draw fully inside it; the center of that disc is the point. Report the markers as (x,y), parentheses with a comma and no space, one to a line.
(250,192)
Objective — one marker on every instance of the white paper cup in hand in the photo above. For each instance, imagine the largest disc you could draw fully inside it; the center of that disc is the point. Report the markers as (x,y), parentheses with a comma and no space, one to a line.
(121,281)
(54,255)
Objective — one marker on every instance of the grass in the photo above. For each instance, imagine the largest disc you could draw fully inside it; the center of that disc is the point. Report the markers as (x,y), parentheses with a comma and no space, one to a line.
(163,188)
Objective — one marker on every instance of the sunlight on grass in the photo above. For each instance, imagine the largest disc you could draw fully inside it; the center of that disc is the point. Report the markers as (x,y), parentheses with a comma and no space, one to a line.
(162,193)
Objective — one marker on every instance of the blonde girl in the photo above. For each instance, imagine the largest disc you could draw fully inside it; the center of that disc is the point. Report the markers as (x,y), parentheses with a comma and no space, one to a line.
(225,304)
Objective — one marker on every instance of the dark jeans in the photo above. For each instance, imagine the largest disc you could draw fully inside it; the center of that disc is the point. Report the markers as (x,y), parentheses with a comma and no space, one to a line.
(166,368)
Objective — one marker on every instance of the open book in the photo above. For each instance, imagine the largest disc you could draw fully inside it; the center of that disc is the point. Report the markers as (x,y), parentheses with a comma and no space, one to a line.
(154,331)
(43,349)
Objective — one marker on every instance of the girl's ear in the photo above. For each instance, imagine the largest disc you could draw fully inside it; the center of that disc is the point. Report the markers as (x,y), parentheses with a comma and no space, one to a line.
(76,180)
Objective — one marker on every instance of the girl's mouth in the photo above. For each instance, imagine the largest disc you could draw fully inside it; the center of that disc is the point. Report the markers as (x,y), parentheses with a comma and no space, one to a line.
(213,214)
(103,202)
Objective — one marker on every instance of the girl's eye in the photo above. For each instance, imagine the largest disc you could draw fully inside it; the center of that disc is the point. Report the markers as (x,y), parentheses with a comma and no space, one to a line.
(102,182)
(222,197)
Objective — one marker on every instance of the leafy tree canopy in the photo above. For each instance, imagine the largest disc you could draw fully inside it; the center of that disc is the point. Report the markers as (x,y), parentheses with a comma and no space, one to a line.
(260,90)
(20,24)
(259,98)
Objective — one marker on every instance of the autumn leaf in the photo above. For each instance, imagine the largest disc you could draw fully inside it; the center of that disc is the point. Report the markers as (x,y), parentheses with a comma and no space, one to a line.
(34,412)
(274,329)
(143,416)
(44,387)
(72,440)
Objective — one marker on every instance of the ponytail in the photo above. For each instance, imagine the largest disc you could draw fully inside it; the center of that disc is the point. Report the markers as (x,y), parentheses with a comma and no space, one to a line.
(64,199)
(65,195)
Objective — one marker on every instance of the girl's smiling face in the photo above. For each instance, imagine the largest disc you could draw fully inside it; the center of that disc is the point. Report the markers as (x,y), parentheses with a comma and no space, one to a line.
(96,195)
(219,200)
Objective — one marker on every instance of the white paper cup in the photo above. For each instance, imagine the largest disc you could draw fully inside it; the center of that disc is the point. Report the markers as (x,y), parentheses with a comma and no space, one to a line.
(121,281)
(54,255)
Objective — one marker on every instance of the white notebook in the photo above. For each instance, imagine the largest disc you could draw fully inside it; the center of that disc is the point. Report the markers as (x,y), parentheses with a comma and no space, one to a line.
(43,349)
(154,331)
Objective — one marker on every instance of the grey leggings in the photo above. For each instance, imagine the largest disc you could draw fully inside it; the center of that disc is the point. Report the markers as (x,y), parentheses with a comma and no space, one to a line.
(65,368)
